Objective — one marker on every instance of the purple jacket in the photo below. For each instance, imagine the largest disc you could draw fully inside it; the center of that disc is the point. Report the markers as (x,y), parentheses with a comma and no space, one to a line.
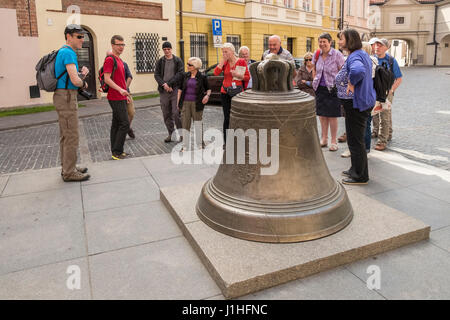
(328,68)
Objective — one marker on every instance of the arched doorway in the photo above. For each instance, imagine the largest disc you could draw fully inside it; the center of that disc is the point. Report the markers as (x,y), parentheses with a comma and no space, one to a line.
(401,50)
(86,58)
(445,51)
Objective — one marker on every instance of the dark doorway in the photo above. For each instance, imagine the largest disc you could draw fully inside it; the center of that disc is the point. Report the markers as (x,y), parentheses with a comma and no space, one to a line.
(86,58)
(290,45)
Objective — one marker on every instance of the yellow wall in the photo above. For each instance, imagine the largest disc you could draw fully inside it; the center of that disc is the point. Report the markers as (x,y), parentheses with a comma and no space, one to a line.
(252,33)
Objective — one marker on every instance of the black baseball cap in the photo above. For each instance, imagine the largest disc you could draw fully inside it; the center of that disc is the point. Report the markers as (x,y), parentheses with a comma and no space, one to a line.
(167,44)
(74,28)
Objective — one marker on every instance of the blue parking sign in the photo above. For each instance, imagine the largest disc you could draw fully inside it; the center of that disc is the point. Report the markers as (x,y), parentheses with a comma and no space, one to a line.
(217,27)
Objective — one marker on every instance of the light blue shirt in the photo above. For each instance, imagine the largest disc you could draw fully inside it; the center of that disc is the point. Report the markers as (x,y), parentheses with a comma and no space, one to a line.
(65,56)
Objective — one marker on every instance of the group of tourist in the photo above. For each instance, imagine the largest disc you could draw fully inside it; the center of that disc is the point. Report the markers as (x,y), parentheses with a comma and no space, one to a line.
(342,82)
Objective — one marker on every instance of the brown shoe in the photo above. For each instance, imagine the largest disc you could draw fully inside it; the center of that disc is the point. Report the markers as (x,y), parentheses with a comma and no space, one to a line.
(76,177)
(343,138)
(374,135)
(168,139)
(380,146)
(79,169)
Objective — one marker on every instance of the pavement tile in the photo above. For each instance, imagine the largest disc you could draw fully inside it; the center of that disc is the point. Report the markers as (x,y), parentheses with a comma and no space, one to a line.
(124,227)
(418,271)
(437,189)
(47,282)
(337,284)
(36,181)
(117,194)
(432,211)
(116,170)
(41,242)
(40,206)
(441,238)
(166,269)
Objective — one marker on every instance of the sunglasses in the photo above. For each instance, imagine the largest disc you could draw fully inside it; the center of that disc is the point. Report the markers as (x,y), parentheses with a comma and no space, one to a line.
(120,44)
(80,37)
(190,65)
(308,59)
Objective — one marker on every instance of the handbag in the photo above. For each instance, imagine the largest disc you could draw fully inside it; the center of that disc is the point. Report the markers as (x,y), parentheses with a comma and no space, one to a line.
(233,91)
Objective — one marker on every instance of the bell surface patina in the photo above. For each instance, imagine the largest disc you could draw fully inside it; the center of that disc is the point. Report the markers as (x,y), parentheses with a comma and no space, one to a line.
(300,201)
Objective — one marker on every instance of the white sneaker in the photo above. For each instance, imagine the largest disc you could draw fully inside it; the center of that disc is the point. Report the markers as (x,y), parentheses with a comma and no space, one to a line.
(346,154)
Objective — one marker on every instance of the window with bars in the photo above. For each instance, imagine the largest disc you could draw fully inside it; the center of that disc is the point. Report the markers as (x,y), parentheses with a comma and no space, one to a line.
(266,42)
(199,47)
(147,51)
(235,40)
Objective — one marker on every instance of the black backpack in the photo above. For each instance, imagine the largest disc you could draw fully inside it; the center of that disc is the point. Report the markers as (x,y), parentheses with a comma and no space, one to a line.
(384,79)
(101,75)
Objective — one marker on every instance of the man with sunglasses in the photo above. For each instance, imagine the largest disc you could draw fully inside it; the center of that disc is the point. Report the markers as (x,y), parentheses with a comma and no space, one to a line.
(66,104)
(118,97)
(168,73)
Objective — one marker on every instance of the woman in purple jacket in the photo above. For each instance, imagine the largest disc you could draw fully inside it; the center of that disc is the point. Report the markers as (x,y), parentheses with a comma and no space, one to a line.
(357,110)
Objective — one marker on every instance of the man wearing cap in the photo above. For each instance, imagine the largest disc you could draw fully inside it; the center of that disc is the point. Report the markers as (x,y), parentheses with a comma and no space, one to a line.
(66,104)
(382,122)
(168,73)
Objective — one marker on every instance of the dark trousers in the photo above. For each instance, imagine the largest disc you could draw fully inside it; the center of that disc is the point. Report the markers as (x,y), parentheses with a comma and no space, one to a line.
(368,135)
(355,126)
(226,107)
(119,126)
(170,111)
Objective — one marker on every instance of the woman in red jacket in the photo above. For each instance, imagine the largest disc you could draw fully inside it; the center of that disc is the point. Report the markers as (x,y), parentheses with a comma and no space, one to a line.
(235,72)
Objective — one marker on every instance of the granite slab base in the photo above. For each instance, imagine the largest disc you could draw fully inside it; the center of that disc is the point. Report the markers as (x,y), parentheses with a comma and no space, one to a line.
(241,267)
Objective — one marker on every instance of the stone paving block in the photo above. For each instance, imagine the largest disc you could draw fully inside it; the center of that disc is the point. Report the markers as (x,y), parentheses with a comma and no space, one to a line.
(3,182)
(41,242)
(241,267)
(185,174)
(438,189)
(115,170)
(31,207)
(418,271)
(47,282)
(117,194)
(166,269)
(36,181)
(129,226)
(338,284)
(432,211)
(441,238)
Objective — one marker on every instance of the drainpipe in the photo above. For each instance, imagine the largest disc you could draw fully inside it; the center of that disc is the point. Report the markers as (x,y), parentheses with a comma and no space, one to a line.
(341,18)
(435,43)
(181,31)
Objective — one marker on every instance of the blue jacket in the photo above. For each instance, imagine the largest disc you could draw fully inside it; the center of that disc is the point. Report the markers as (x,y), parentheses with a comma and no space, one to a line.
(359,69)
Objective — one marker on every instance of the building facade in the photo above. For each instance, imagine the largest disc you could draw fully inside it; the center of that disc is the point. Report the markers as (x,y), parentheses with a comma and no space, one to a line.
(31,29)
(251,22)
(355,15)
(418,29)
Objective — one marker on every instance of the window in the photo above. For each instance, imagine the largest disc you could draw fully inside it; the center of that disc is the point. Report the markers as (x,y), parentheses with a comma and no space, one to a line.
(307,5)
(309,44)
(288,3)
(199,47)
(147,51)
(333,8)
(400,20)
(266,42)
(266,1)
(235,40)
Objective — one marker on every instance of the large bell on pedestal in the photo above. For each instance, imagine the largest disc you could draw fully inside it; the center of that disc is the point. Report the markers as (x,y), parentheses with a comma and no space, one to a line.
(300,201)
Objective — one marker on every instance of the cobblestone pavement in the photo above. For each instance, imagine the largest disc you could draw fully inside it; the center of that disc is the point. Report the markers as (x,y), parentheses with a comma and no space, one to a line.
(421,120)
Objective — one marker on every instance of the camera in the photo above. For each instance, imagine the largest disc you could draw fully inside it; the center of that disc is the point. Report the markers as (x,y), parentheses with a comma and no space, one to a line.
(85,94)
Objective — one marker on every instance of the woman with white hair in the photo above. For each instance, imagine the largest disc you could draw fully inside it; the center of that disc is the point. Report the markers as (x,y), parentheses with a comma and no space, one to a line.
(193,94)
(235,72)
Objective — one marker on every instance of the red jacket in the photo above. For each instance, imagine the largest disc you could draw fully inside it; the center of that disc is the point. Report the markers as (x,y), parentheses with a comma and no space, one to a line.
(227,80)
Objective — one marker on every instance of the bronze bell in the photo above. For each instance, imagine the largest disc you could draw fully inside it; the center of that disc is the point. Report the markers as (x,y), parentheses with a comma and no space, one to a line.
(300,201)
